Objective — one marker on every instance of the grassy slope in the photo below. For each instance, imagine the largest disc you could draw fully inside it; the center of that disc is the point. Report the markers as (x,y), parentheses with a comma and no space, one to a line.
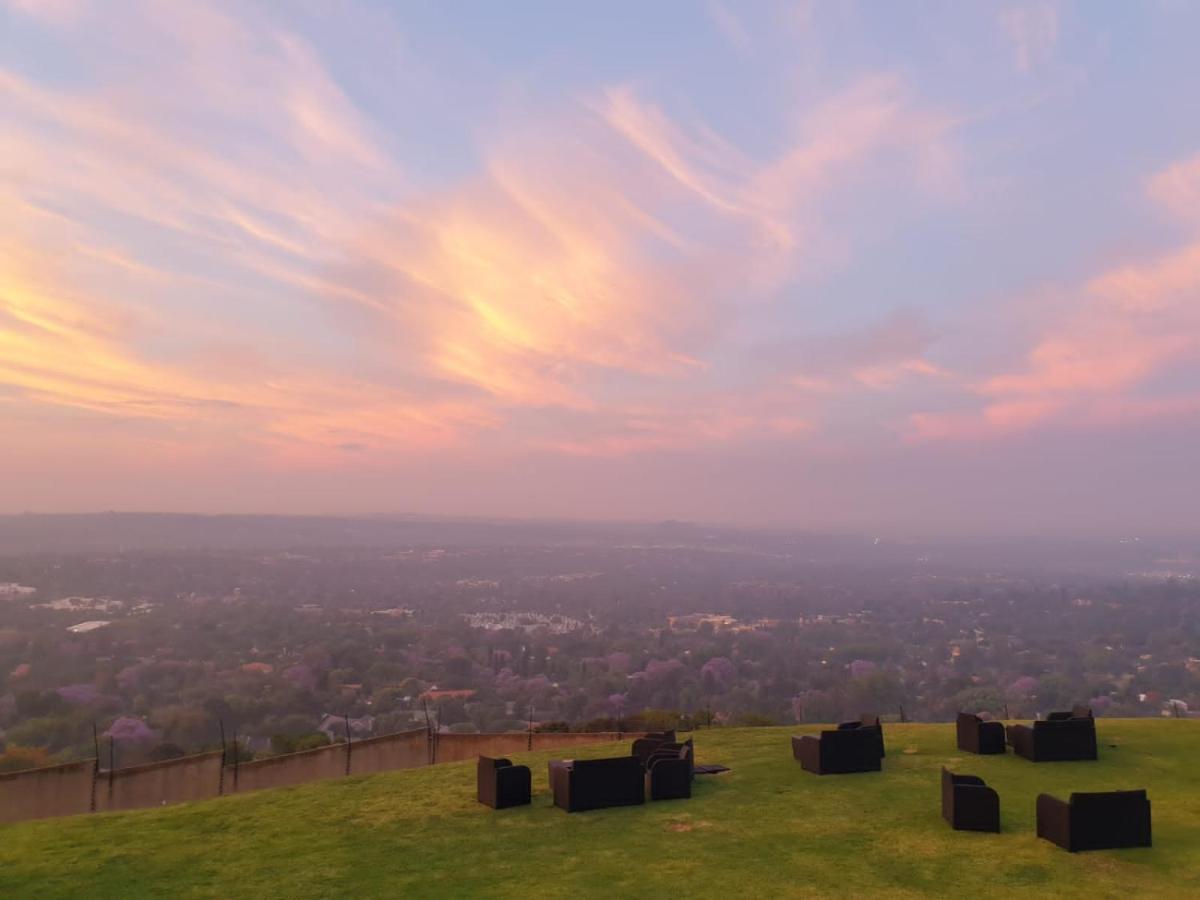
(766,827)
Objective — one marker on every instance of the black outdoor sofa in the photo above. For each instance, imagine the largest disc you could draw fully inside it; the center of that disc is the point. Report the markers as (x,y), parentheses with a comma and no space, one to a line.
(968,804)
(500,784)
(1096,821)
(583,784)
(977,736)
(839,751)
(1060,737)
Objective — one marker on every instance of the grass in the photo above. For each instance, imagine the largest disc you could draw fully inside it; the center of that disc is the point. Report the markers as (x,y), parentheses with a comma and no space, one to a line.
(766,828)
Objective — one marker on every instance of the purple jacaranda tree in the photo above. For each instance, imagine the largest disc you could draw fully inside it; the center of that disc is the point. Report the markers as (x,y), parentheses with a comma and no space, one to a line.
(861,667)
(79,694)
(718,674)
(619,663)
(1023,686)
(506,683)
(1100,704)
(130,729)
(660,670)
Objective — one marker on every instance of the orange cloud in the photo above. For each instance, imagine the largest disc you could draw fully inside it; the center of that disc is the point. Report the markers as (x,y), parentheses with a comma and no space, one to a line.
(574,260)
(276,284)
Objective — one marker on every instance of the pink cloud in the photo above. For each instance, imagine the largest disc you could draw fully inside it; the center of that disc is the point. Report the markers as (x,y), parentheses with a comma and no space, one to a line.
(1177,189)
(1104,343)
(296,296)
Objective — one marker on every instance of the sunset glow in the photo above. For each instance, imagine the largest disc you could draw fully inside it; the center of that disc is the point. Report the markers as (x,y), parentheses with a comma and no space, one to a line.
(937,267)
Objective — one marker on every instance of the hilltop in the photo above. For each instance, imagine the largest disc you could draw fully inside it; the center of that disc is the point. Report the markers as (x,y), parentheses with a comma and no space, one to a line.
(765,828)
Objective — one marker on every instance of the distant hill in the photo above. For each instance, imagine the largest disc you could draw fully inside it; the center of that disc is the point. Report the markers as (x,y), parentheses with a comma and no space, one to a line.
(764,829)
(114,532)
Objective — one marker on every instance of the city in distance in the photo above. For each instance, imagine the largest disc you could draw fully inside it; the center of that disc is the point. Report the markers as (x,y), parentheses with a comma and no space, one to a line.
(162,630)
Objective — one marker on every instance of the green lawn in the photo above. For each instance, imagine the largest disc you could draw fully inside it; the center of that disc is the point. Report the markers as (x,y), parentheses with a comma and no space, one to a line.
(765,828)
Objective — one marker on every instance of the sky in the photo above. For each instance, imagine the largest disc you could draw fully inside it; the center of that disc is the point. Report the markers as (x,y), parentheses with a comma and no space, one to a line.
(920,268)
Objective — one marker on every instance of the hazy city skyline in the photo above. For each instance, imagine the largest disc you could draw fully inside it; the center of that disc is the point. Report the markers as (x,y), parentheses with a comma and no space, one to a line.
(929,267)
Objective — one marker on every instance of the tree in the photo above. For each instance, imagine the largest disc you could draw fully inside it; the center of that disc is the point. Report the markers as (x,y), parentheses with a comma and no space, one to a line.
(1055,692)
(875,692)
(17,758)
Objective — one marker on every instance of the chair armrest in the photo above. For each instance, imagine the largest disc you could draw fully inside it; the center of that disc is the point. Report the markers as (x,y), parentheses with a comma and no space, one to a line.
(807,749)
(560,782)
(660,755)
(797,743)
(1020,737)
(668,764)
(1054,820)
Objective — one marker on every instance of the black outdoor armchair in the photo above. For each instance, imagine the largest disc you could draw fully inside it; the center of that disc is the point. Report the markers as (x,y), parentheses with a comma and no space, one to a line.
(1096,821)
(977,736)
(684,750)
(500,784)
(1060,737)
(839,751)
(669,773)
(868,722)
(651,741)
(583,784)
(968,804)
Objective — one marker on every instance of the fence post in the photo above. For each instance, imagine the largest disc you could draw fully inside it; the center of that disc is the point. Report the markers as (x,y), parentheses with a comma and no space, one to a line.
(221,777)
(437,730)
(347,718)
(429,750)
(112,765)
(529,730)
(95,766)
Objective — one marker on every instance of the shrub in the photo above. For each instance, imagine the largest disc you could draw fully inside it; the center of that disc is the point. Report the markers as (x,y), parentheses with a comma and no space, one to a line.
(166,750)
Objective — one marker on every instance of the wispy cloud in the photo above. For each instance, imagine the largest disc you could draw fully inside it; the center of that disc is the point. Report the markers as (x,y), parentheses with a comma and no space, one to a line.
(729,25)
(604,241)
(1032,31)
